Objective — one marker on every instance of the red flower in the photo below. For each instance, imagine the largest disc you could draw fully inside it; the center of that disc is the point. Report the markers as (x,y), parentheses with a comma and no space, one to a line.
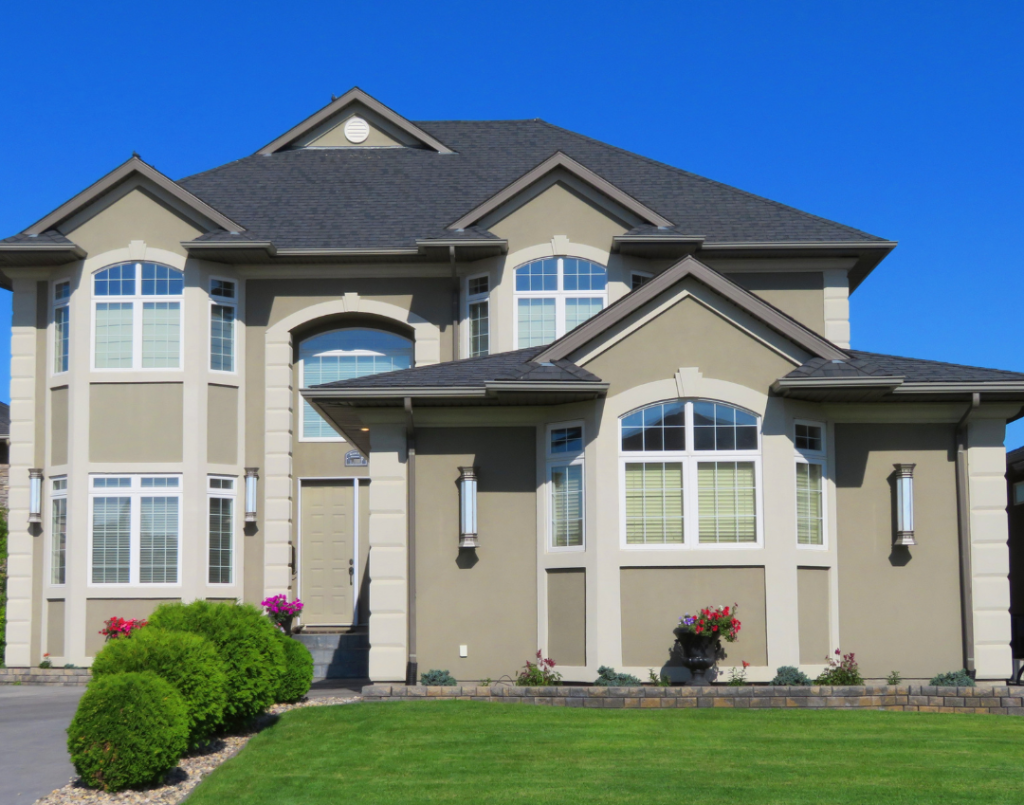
(746,664)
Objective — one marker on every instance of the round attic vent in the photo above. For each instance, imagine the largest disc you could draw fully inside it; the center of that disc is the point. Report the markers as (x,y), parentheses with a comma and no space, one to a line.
(357,130)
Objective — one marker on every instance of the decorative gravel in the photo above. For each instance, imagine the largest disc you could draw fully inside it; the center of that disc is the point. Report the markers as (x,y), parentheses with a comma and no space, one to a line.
(180,780)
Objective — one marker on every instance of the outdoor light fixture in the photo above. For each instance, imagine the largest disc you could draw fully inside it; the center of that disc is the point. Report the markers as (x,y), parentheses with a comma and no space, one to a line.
(251,477)
(35,496)
(905,504)
(467,508)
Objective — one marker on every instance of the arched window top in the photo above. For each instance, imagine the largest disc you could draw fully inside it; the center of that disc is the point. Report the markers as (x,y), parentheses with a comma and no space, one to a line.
(689,425)
(356,341)
(138,279)
(561,274)
(555,295)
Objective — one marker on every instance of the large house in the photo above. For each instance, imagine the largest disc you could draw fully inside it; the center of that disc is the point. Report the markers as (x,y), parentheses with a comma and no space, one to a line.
(474,389)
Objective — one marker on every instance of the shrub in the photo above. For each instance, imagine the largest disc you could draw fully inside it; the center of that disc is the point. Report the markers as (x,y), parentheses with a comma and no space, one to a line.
(436,677)
(610,679)
(843,671)
(297,673)
(247,644)
(894,678)
(189,662)
(657,680)
(953,679)
(539,674)
(129,730)
(788,675)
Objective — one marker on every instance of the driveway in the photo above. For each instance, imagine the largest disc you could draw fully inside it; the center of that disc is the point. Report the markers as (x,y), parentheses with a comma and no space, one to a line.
(34,760)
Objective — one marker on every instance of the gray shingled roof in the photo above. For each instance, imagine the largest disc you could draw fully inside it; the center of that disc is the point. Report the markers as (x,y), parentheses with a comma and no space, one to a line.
(391,197)
(912,370)
(471,372)
(49,236)
(5,419)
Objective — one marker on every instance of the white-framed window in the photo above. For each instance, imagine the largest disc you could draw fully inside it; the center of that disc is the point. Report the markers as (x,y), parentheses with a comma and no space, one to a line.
(135,530)
(58,530)
(223,303)
(342,355)
(565,480)
(478,315)
(690,474)
(137,317)
(811,477)
(638,279)
(1018,493)
(61,325)
(221,532)
(555,295)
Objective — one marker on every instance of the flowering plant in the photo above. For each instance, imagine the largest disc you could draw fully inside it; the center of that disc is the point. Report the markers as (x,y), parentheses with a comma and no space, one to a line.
(539,674)
(716,622)
(121,627)
(280,610)
(738,676)
(46,661)
(841,671)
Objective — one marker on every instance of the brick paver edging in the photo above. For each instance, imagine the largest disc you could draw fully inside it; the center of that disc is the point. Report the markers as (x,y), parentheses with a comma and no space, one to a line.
(65,677)
(921,698)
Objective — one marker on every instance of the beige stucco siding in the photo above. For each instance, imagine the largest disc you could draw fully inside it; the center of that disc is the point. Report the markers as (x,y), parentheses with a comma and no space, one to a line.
(55,627)
(59,426)
(222,424)
(483,599)
(655,598)
(812,599)
(799,294)
(334,137)
(567,615)
(135,422)
(899,608)
(99,610)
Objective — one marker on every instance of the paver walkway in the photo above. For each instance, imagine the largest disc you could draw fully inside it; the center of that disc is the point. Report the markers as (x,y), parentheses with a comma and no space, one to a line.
(34,760)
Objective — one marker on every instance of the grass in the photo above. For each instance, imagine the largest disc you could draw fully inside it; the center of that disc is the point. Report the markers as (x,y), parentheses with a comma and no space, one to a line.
(442,752)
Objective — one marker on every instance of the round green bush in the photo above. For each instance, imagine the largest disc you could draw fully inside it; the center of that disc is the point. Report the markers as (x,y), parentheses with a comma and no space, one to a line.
(247,644)
(190,662)
(789,675)
(297,673)
(129,730)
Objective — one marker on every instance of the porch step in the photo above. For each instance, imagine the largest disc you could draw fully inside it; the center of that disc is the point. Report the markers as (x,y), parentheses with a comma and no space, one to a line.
(338,656)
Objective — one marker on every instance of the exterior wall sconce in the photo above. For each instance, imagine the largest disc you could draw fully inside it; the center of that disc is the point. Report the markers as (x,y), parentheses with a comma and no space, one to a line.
(251,477)
(467,508)
(905,504)
(35,496)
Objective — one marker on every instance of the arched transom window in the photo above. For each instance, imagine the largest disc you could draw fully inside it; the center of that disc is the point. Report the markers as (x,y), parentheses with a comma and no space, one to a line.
(555,295)
(137,315)
(690,472)
(342,355)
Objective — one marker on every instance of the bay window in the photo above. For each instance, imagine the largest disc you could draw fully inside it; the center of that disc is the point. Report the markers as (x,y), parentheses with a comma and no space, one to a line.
(61,326)
(478,310)
(565,486)
(809,440)
(221,501)
(58,530)
(555,295)
(690,474)
(222,325)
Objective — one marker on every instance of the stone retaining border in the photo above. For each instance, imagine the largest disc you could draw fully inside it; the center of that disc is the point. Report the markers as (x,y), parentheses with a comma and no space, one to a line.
(62,677)
(1000,700)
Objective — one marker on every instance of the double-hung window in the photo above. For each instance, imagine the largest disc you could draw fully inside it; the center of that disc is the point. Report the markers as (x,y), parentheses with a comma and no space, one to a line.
(135,535)
(555,295)
(137,317)
(690,475)
(809,440)
(223,296)
(221,496)
(565,486)
(478,315)
(61,326)
(58,530)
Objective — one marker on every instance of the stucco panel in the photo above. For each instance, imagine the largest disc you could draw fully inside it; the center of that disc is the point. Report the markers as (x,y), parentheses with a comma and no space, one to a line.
(813,608)
(99,610)
(59,426)
(799,294)
(567,615)
(222,424)
(135,422)
(55,627)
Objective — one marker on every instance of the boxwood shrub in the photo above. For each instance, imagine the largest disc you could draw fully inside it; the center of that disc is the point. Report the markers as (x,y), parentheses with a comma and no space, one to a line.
(297,673)
(610,678)
(190,662)
(247,644)
(129,730)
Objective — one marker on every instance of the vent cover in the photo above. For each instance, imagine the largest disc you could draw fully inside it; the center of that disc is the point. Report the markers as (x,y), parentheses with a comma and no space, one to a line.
(357,130)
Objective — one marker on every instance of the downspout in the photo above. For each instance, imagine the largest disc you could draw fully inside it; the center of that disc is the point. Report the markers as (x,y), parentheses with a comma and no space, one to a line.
(412,666)
(455,305)
(963,506)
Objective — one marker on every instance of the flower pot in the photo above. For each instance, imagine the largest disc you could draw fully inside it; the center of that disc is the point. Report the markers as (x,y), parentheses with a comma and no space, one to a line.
(286,624)
(698,653)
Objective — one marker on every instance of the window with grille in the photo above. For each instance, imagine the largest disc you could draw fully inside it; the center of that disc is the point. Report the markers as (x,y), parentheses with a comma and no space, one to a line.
(555,295)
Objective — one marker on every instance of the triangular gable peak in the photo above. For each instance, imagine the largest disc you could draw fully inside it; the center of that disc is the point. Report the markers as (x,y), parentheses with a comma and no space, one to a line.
(131,174)
(356,119)
(593,330)
(555,165)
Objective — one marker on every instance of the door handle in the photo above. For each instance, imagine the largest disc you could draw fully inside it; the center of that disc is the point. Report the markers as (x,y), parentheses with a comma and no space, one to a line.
(351,572)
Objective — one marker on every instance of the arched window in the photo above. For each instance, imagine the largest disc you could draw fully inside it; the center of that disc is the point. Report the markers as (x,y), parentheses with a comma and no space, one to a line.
(137,315)
(341,355)
(691,471)
(555,295)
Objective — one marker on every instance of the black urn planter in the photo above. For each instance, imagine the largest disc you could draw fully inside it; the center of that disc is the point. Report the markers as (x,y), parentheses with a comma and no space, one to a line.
(699,653)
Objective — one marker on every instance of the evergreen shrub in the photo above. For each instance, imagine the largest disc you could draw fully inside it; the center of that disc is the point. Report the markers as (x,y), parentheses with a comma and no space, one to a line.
(297,671)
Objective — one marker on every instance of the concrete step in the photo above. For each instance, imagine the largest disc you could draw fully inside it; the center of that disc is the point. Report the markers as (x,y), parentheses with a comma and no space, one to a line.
(347,640)
(338,656)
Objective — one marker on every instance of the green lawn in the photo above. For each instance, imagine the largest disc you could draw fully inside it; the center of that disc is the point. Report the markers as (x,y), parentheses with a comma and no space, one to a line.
(474,752)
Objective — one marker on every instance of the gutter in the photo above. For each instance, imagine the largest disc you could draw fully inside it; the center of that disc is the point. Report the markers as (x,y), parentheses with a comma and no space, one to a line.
(398,392)
(412,666)
(784,384)
(963,507)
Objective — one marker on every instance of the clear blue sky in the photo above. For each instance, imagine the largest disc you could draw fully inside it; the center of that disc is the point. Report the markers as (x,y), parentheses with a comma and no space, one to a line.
(903,119)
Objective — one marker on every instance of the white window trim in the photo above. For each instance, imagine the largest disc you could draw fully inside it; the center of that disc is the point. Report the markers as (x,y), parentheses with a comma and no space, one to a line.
(553,460)
(646,275)
(57,494)
(220,301)
(229,494)
(476,299)
(819,457)
(690,458)
(559,295)
(56,305)
(136,493)
(136,301)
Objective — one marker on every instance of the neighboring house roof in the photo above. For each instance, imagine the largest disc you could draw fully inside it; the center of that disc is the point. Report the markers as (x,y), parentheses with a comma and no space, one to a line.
(5,421)
(1015,459)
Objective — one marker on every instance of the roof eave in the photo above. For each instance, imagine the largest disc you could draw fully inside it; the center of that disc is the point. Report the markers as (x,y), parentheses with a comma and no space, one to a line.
(39,254)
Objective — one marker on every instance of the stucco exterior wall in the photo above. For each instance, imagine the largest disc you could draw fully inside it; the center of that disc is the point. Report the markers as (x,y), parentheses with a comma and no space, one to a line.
(99,610)
(798,294)
(814,601)
(135,423)
(567,615)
